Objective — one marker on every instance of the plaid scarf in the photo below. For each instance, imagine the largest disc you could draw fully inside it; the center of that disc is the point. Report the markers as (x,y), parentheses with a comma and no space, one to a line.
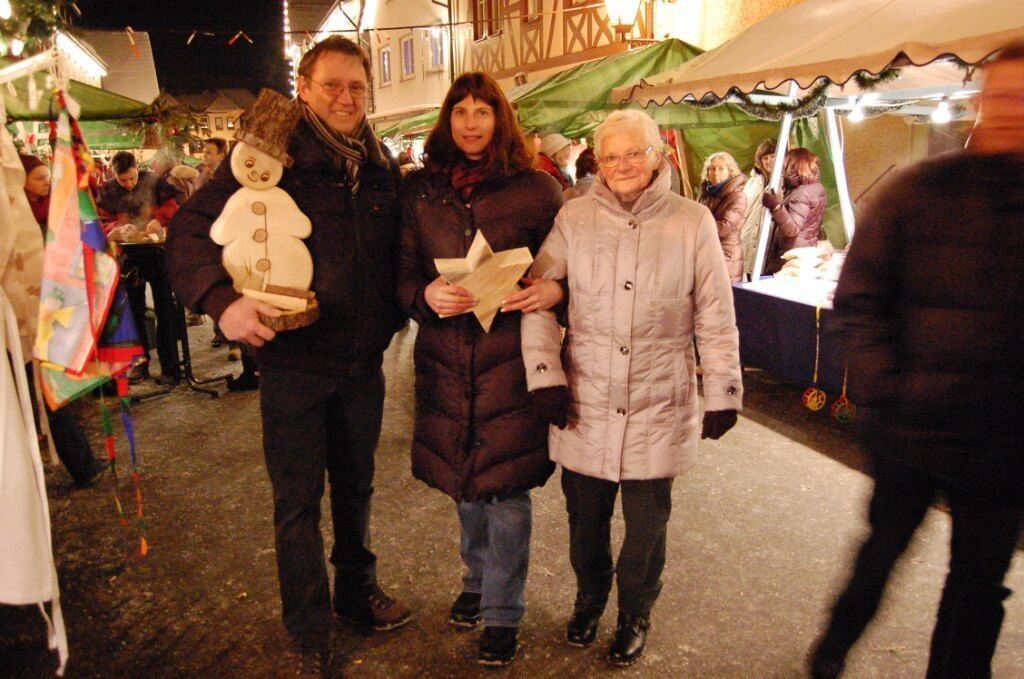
(348,153)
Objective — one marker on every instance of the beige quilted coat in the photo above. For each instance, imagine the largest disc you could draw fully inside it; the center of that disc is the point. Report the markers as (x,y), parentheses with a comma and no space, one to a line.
(641,284)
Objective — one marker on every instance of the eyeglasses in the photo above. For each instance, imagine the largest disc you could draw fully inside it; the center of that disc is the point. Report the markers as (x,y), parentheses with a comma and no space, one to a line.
(633,158)
(333,89)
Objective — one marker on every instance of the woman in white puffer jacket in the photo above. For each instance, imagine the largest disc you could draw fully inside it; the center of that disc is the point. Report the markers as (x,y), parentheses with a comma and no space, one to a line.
(645,273)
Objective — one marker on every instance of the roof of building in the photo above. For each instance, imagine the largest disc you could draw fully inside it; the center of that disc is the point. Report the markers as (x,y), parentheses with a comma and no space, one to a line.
(127,74)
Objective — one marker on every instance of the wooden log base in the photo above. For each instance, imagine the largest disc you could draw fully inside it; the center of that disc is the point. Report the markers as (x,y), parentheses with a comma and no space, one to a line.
(291,320)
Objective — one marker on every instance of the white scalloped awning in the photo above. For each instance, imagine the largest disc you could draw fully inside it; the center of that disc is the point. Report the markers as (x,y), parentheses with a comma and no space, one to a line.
(835,39)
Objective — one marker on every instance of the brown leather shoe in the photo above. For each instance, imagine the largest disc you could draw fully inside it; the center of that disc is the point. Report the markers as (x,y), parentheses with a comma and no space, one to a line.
(373,608)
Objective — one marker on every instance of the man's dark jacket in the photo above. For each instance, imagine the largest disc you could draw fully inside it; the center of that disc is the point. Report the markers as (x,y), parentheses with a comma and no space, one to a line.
(354,249)
(930,299)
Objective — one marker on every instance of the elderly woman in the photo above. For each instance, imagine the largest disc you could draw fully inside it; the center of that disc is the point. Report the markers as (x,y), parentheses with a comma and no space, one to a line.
(799,215)
(477,437)
(721,191)
(750,232)
(644,273)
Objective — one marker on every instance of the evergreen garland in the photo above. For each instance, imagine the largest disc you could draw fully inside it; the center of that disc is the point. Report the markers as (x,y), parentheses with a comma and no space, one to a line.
(34,22)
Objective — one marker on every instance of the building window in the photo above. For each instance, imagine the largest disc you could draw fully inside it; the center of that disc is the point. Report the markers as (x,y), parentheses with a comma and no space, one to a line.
(434,39)
(532,9)
(385,66)
(408,58)
(218,123)
(231,123)
(485,18)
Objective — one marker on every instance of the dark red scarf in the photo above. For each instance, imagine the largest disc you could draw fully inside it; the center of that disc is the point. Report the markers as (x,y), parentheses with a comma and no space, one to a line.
(466,175)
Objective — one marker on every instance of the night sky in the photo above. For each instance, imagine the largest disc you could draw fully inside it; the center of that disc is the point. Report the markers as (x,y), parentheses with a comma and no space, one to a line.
(209,62)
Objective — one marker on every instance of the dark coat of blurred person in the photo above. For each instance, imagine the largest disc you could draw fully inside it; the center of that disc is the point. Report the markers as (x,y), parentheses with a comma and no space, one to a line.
(721,191)
(798,216)
(930,302)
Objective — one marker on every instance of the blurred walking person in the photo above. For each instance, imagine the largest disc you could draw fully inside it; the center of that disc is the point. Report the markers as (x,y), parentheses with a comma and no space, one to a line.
(929,297)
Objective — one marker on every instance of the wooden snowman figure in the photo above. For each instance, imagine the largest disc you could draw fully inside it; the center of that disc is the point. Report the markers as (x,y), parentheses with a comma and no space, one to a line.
(261,227)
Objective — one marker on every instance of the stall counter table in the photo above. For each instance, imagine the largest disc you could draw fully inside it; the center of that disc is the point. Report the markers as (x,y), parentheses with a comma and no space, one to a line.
(775,317)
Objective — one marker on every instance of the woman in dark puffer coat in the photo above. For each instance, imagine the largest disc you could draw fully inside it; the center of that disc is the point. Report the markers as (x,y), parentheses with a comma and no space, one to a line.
(477,437)
(799,215)
(721,191)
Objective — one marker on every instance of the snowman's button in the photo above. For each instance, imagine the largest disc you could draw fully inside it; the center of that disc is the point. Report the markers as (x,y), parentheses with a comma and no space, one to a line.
(259,235)
(263,265)
(259,208)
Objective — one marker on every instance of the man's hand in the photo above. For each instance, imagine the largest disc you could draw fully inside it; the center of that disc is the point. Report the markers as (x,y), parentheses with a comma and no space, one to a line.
(448,300)
(155,228)
(123,232)
(542,294)
(240,321)
(717,422)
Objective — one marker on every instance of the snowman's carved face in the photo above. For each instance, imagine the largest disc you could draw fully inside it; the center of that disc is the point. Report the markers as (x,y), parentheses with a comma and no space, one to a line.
(254,168)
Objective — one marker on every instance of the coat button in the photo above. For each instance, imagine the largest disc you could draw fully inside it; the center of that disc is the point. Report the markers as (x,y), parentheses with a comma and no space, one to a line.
(731,390)
(621,411)
(633,224)
(628,285)
(468,232)
(469,206)
(623,350)
(542,367)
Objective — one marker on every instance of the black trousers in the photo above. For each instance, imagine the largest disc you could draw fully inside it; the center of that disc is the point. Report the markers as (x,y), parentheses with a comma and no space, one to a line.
(985,529)
(646,506)
(317,424)
(70,441)
(142,266)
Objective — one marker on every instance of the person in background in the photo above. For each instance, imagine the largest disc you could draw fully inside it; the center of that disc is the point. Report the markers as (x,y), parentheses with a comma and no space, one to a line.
(70,442)
(721,191)
(646,274)
(799,215)
(586,173)
(215,150)
(134,203)
(750,232)
(933,344)
(176,174)
(555,151)
(476,437)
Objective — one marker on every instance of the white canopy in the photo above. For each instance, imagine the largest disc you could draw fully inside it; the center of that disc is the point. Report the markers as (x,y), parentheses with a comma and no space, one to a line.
(835,39)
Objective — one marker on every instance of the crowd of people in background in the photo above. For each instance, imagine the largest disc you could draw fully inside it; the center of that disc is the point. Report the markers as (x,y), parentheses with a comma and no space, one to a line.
(591,365)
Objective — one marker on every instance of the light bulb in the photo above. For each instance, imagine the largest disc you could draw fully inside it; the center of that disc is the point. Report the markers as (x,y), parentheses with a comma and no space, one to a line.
(17,45)
(5,9)
(856,114)
(942,114)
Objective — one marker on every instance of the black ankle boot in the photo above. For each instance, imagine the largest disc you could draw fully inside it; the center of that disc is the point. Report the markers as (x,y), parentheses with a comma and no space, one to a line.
(582,627)
(498,646)
(466,610)
(630,639)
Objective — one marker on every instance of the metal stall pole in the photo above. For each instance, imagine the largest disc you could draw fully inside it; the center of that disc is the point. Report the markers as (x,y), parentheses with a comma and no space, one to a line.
(773,183)
(838,153)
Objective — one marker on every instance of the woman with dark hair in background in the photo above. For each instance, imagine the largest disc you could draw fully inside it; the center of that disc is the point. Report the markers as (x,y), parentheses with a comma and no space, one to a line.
(586,172)
(799,215)
(750,232)
(477,437)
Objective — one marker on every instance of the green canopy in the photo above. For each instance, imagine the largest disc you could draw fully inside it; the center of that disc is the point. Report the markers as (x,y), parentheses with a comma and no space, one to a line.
(106,135)
(96,104)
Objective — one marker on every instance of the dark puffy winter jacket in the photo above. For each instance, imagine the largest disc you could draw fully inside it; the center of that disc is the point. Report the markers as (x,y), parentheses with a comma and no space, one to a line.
(729,208)
(476,435)
(797,222)
(930,301)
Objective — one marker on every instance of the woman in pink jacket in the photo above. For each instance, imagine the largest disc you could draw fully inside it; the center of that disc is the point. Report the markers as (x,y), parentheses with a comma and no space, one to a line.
(645,272)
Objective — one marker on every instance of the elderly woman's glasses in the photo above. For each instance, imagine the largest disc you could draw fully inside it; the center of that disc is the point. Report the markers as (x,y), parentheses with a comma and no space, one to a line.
(633,158)
(334,89)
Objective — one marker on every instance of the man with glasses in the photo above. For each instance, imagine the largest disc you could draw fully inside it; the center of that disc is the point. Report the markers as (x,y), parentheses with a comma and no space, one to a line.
(322,387)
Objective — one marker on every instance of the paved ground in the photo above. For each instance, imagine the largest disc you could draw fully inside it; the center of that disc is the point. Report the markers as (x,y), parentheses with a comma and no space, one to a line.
(761,535)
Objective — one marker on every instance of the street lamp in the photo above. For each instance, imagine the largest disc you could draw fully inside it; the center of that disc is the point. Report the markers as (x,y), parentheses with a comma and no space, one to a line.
(622,15)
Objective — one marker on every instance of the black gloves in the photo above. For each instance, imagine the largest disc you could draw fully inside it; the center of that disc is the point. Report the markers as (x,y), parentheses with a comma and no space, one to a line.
(552,405)
(717,422)
(771,200)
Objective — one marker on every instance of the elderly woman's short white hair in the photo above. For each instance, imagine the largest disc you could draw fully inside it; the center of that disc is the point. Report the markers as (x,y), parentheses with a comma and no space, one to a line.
(730,162)
(636,124)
